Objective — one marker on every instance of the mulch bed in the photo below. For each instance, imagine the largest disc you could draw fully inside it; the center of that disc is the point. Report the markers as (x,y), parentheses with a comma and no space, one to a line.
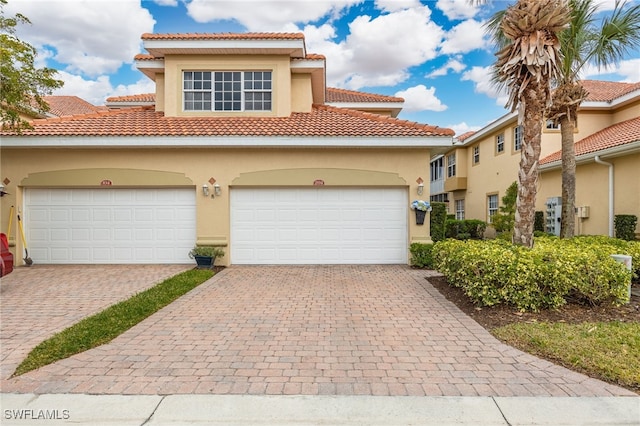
(499,315)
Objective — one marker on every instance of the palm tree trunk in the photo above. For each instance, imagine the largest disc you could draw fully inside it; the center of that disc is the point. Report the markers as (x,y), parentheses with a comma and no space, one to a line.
(534,107)
(568,220)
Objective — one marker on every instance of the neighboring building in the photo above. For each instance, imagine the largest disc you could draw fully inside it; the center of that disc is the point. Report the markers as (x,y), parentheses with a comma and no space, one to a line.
(241,146)
(481,166)
(60,106)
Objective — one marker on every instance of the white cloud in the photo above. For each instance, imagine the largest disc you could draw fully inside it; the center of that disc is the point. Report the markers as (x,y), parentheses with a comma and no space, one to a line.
(91,37)
(377,51)
(481,77)
(462,128)
(457,9)
(395,5)
(452,65)
(420,98)
(464,37)
(166,2)
(257,15)
(629,70)
(97,90)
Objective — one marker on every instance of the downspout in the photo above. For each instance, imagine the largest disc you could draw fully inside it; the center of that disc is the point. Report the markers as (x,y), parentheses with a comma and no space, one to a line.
(604,163)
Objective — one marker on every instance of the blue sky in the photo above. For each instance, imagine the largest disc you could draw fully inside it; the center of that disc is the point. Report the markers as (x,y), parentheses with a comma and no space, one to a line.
(432,53)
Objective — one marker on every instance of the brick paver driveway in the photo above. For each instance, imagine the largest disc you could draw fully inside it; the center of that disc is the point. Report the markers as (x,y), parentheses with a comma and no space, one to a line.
(381,330)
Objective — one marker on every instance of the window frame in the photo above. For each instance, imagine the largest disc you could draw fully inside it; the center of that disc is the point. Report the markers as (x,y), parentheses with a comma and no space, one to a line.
(436,171)
(475,154)
(227,91)
(492,211)
(459,208)
(500,143)
(518,136)
(451,165)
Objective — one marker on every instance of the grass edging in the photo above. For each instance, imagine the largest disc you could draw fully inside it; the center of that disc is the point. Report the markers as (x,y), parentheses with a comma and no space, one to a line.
(606,350)
(105,326)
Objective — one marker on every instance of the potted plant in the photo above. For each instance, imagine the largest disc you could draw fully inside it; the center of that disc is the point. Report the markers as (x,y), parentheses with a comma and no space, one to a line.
(421,207)
(205,256)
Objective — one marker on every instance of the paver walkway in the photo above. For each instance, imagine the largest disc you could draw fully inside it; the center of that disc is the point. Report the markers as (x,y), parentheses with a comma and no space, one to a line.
(38,301)
(329,330)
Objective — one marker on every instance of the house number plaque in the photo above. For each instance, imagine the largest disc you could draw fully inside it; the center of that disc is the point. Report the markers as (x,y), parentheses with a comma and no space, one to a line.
(318,182)
(106,182)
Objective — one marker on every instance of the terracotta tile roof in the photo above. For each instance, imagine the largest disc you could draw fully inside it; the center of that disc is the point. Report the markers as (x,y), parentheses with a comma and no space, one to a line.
(607,91)
(146,57)
(465,135)
(344,95)
(142,97)
(323,121)
(310,56)
(70,105)
(333,95)
(617,135)
(224,36)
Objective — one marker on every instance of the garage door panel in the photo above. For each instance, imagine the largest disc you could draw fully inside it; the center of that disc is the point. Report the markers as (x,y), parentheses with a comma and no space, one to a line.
(110,225)
(319,225)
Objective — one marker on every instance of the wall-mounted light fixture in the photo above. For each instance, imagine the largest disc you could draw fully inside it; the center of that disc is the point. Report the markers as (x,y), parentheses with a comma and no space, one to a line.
(217,190)
(420,185)
(205,190)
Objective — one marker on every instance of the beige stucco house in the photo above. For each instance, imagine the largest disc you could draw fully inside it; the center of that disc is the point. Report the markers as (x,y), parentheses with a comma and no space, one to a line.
(474,174)
(242,146)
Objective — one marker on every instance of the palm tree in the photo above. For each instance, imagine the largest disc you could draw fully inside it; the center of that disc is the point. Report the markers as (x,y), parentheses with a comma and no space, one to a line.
(588,40)
(527,65)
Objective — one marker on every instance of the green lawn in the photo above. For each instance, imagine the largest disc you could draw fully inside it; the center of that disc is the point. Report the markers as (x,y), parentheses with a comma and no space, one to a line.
(105,326)
(606,350)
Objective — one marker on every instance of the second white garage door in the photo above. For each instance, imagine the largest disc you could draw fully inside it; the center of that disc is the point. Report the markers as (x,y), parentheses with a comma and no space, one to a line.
(319,226)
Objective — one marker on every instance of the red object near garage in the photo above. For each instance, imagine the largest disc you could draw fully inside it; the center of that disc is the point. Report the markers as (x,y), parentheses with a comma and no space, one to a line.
(6,261)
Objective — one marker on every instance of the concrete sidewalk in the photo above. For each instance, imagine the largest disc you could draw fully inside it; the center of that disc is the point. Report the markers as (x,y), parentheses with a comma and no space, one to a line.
(150,410)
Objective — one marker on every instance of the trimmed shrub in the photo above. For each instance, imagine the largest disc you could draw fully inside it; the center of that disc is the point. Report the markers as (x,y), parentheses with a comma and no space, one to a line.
(625,226)
(465,229)
(495,271)
(438,217)
(505,219)
(421,255)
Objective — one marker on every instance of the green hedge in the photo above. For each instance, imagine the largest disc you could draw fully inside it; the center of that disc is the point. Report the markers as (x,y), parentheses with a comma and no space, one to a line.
(465,229)
(495,271)
(625,226)
(438,218)
(538,222)
(421,255)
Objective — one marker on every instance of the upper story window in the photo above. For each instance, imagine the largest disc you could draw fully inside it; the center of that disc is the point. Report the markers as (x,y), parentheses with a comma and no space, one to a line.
(227,90)
(517,138)
(437,169)
(451,165)
(476,154)
(552,125)
(500,143)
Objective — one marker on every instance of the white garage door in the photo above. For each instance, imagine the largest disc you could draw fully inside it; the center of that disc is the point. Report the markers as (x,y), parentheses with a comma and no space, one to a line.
(318,226)
(110,225)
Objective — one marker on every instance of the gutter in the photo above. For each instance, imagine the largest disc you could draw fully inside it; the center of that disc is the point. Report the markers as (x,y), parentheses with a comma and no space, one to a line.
(610,165)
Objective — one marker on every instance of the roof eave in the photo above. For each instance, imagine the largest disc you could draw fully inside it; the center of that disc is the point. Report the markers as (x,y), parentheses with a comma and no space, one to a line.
(224,142)
(490,128)
(616,151)
(159,48)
